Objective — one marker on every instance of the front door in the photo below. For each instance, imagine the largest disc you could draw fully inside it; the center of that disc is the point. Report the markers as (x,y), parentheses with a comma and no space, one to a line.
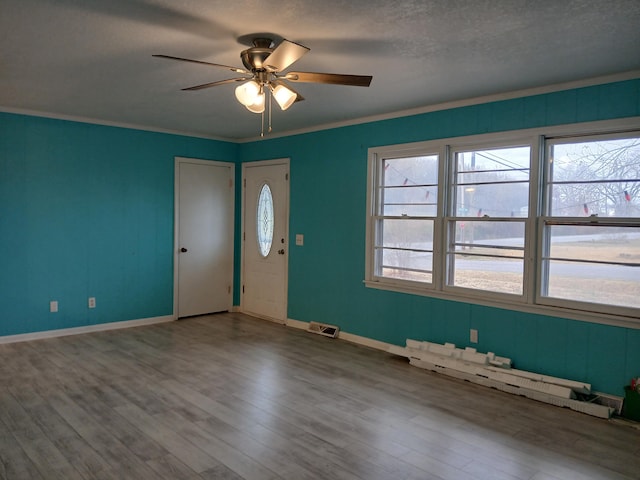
(265,245)
(204,236)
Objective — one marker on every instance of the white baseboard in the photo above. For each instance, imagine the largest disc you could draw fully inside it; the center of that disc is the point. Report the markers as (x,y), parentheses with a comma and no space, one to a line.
(365,341)
(63,332)
(296,324)
(349,337)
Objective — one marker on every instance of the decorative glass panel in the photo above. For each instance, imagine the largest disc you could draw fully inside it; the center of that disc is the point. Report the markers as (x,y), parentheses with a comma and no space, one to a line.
(264,220)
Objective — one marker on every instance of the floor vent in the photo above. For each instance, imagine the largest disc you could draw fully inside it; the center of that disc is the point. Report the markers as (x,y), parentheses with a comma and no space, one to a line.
(323,329)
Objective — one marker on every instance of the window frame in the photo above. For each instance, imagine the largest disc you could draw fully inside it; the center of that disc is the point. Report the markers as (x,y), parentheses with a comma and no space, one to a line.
(375,174)
(500,142)
(531,301)
(546,218)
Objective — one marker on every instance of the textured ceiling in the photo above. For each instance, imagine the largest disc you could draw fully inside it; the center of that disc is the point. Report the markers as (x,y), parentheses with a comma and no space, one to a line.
(92,58)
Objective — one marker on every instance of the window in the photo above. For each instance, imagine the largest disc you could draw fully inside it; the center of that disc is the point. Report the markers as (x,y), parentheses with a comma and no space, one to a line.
(407,205)
(590,230)
(545,220)
(486,226)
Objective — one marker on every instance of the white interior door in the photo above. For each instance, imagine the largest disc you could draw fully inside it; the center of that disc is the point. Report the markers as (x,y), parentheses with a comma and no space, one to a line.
(265,249)
(204,237)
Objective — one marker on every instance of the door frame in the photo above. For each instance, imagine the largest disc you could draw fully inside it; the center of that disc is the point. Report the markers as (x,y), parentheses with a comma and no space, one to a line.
(176,219)
(266,163)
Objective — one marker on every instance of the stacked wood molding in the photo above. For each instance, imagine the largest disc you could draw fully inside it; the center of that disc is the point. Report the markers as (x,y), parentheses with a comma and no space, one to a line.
(494,371)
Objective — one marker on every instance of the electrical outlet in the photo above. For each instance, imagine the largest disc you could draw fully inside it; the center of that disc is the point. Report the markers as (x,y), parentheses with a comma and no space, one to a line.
(92,302)
(53,306)
(473,335)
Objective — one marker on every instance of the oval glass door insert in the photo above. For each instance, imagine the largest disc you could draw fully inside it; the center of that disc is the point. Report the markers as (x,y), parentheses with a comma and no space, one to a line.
(264,220)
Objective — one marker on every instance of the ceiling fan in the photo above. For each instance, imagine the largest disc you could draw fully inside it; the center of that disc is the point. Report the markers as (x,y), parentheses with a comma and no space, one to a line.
(264,73)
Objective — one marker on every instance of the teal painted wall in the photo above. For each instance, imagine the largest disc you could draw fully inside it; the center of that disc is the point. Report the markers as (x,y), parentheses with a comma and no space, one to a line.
(328,206)
(87,210)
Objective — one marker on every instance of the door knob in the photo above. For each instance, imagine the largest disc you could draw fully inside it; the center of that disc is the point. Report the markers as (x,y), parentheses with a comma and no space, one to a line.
(183,250)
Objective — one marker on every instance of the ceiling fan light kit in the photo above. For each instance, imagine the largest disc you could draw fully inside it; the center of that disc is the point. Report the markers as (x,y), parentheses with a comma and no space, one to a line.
(284,96)
(251,95)
(265,64)
(258,104)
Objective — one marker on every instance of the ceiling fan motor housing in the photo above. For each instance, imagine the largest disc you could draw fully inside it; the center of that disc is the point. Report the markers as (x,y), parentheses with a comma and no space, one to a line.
(253,58)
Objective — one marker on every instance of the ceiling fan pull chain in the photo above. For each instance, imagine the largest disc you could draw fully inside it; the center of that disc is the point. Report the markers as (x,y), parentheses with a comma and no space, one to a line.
(262,124)
(270,102)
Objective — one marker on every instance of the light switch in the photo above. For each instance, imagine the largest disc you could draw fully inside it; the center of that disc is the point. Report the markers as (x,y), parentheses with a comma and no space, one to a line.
(299,239)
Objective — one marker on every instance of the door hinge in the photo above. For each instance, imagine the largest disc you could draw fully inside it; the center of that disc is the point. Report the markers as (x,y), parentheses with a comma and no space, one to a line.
(242,288)
(245,183)
(229,289)
(244,236)
(286,176)
(230,183)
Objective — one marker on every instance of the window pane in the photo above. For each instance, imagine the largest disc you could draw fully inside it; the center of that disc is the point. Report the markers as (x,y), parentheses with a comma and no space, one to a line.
(407,171)
(488,232)
(495,200)
(613,280)
(407,233)
(502,275)
(407,265)
(492,182)
(409,186)
(585,199)
(414,201)
(406,250)
(488,255)
(595,177)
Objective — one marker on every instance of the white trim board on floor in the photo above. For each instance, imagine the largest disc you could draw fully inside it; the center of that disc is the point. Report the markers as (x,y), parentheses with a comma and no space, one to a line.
(101,327)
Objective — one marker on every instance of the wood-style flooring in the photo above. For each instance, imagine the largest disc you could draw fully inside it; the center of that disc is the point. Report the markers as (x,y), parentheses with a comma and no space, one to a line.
(228,396)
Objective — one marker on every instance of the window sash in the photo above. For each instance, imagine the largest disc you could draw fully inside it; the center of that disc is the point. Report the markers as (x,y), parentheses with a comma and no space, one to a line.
(403,199)
(617,295)
(498,262)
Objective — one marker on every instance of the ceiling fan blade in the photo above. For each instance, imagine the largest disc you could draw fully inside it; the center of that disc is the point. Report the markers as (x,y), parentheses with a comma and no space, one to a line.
(284,55)
(215,84)
(333,78)
(233,69)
